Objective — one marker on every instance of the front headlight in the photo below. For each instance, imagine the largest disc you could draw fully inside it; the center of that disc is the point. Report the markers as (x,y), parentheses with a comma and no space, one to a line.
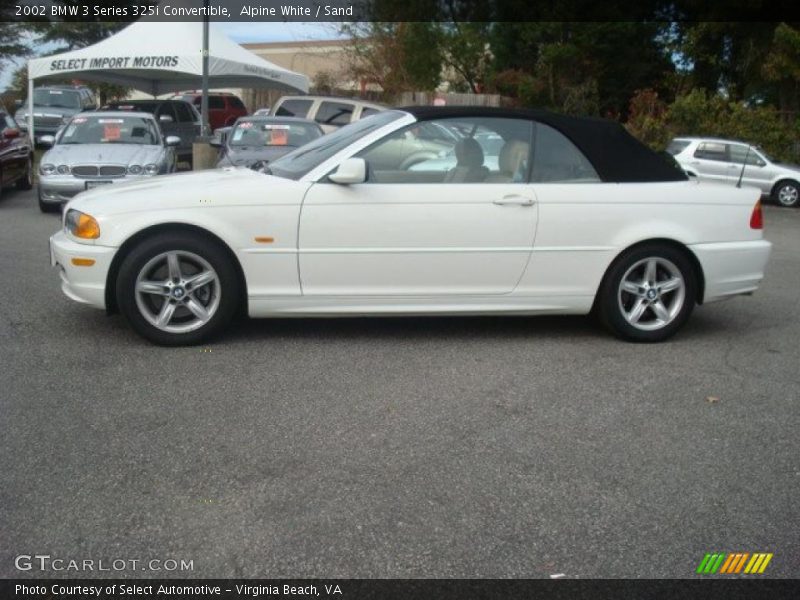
(151,169)
(135,170)
(82,225)
(47,169)
(63,169)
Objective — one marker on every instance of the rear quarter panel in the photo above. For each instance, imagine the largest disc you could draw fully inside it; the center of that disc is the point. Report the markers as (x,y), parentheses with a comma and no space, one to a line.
(582,228)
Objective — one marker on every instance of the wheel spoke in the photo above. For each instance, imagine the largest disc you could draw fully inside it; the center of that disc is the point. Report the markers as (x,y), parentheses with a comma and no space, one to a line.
(152,287)
(164,317)
(670,285)
(650,271)
(198,310)
(632,288)
(637,311)
(201,279)
(173,265)
(661,312)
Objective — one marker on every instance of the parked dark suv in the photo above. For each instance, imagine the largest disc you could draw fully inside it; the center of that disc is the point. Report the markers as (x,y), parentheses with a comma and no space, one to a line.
(16,156)
(53,106)
(176,117)
(223,108)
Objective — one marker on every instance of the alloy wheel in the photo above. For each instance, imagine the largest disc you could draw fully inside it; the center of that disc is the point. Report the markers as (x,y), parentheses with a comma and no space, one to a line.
(651,293)
(788,195)
(177,291)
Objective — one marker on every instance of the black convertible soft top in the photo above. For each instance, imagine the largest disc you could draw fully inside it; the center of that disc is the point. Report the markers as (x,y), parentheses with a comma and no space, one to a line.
(615,154)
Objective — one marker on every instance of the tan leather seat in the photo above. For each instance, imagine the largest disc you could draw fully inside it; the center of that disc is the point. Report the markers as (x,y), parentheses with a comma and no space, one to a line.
(469,163)
(512,161)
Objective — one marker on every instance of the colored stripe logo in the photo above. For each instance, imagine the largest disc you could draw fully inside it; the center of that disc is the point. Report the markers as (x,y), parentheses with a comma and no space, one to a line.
(731,563)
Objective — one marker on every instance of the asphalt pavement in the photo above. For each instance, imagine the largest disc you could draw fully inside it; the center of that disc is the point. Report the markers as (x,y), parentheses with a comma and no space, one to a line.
(421,447)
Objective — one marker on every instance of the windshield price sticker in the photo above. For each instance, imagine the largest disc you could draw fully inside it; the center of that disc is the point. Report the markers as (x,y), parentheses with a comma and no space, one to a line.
(112,132)
(279,137)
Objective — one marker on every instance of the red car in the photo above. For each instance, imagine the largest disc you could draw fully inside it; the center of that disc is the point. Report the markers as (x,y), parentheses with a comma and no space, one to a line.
(223,108)
(16,156)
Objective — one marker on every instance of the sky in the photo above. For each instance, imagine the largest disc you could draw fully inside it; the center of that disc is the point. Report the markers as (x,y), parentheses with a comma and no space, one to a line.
(239,32)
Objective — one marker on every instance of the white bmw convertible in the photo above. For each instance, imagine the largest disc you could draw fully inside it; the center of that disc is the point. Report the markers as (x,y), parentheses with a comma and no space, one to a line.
(449,210)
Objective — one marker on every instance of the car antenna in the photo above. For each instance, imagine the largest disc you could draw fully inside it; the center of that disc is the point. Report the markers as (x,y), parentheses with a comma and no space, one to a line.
(744,164)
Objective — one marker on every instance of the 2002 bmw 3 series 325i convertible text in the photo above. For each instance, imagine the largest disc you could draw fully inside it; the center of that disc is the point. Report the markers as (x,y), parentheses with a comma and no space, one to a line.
(419,211)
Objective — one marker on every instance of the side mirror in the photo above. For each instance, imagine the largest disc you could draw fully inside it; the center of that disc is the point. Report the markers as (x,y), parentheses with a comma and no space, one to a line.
(165,119)
(352,170)
(47,140)
(172,140)
(11,133)
(215,142)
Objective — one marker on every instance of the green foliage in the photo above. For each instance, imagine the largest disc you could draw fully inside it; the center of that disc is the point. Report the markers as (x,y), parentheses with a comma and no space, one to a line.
(397,56)
(701,114)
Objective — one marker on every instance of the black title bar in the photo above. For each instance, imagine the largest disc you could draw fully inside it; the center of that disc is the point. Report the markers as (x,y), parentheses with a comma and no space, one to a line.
(397,10)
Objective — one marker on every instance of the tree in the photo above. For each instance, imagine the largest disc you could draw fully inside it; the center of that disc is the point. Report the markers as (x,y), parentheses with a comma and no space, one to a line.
(397,56)
(599,64)
(781,67)
(12,43)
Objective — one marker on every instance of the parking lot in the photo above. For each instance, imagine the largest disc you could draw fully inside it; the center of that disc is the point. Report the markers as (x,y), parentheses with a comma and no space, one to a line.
(426,447)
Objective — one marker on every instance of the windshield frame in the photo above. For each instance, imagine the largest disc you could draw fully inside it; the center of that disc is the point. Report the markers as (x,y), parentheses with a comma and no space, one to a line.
(347,140)
(143,117)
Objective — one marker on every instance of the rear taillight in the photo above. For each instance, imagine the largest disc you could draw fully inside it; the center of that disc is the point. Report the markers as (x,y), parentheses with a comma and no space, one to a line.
(757,218)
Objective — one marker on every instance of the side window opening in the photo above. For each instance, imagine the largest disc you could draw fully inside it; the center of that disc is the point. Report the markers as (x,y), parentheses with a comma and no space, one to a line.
(557,160)
(458,150)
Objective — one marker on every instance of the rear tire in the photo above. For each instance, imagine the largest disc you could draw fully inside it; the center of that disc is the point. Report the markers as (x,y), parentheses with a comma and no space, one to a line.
(177,289)
(786,194)
(648,293)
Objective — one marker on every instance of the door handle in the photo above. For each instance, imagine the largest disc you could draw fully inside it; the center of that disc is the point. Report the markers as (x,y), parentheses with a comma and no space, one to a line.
(514,200)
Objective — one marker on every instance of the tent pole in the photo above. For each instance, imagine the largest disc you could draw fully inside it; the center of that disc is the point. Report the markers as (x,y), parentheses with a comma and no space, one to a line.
(30,109)
(204,99)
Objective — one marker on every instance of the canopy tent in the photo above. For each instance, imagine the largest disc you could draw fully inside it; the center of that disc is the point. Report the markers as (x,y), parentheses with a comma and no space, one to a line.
(159,57)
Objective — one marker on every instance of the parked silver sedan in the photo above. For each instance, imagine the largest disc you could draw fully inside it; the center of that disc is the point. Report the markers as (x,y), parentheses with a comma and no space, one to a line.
(722,161)
(102,148)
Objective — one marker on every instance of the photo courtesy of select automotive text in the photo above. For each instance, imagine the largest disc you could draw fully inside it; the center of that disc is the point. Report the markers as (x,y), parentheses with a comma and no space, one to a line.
(399,299)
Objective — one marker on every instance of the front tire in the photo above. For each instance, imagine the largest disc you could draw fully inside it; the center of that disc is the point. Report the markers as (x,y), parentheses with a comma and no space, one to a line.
(177,289)
(648,293)
(46,207)
(26,181)
(787,194)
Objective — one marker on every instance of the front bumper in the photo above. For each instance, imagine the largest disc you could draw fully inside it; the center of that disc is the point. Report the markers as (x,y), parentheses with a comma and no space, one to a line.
(86,284)
(732,268)
(57,189)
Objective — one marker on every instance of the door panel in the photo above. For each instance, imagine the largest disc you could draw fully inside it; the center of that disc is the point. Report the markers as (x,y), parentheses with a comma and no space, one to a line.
(415,239)
(710,162)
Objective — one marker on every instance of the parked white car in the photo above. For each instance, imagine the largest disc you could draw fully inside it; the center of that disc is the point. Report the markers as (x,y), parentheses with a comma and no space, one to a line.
(729,161)
(576,215)
(331,112)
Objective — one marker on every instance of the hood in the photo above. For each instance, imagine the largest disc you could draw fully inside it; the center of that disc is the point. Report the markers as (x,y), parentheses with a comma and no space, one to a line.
(788,167)
(199,189)
(103,154)
(244,156)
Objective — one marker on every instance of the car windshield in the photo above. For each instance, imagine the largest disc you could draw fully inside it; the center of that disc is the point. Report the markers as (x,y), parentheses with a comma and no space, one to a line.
(56,99)
(256,133)
(299,162)
(121,129)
